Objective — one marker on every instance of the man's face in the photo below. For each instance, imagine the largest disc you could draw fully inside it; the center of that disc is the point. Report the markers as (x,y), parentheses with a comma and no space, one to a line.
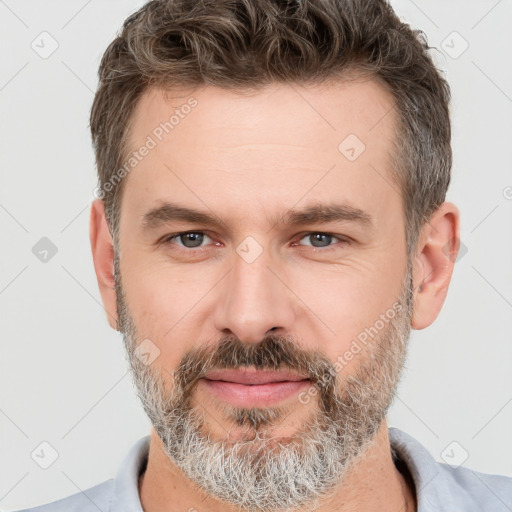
(337,292)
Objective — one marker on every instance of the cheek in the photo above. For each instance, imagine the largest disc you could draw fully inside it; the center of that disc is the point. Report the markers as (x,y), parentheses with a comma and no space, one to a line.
(341,302)
(161,302)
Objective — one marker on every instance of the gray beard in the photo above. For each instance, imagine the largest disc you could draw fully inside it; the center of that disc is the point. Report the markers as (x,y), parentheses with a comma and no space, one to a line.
(261,472)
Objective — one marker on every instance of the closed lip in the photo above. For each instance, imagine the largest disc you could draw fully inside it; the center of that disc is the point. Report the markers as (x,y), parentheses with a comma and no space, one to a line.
(254,377)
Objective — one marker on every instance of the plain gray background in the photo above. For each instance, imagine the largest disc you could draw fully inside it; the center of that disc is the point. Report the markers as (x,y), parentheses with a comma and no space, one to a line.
(63,374)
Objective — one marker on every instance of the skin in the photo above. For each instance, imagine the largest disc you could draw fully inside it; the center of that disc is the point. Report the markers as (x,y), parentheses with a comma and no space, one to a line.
(247,160)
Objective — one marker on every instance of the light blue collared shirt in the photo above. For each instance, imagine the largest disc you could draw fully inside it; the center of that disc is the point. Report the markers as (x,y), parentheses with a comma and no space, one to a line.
(439,487)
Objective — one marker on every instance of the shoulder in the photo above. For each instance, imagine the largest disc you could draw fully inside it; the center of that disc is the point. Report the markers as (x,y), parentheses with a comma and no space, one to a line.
(476,490)
(91,500)
(119,494)
(446,487)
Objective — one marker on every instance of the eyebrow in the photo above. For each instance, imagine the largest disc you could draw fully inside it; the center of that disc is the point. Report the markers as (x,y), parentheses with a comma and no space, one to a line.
(314,214)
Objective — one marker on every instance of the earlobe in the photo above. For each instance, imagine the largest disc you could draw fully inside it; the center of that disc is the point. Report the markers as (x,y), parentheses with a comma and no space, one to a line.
(103,256)
(437,250)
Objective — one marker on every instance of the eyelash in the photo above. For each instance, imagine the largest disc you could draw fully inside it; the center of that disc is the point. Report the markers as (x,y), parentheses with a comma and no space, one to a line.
(167,240)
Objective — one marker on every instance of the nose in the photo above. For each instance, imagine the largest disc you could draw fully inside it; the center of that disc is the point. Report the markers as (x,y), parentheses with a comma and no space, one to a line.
(253,300)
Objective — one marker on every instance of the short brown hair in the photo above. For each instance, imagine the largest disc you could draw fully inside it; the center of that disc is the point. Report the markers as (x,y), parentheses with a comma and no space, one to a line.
(245,44)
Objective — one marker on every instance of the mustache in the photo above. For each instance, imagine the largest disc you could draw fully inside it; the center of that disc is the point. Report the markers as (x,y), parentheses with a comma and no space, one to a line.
(274,352)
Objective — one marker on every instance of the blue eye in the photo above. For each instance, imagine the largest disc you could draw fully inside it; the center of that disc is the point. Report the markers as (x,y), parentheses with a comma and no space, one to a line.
(189,239)
(322,239)
(195,239)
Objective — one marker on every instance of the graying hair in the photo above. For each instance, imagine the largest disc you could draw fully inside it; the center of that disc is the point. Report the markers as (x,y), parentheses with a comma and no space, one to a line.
(243,45)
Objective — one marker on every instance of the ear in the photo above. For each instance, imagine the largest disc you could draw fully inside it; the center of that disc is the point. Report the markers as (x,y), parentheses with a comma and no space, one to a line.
(103,257)
(437,249)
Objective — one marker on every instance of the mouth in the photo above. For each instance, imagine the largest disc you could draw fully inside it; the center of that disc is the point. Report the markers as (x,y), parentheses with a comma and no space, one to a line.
(254,377)
(254,388)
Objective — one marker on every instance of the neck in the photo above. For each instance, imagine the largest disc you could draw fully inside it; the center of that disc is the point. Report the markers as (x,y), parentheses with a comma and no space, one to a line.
(372,483)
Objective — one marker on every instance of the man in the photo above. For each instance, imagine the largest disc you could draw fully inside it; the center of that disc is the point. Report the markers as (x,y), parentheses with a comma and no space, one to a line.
(271,224)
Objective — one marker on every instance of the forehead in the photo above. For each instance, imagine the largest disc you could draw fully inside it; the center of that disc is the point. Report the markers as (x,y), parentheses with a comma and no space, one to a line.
(286,143)
(333,109)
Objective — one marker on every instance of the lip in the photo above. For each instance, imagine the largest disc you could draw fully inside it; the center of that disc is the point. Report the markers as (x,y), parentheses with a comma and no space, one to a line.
(254,377)
(258,388)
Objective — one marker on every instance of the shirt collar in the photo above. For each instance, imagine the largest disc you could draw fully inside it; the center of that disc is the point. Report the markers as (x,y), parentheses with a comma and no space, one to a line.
(433,492)
(126,485)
